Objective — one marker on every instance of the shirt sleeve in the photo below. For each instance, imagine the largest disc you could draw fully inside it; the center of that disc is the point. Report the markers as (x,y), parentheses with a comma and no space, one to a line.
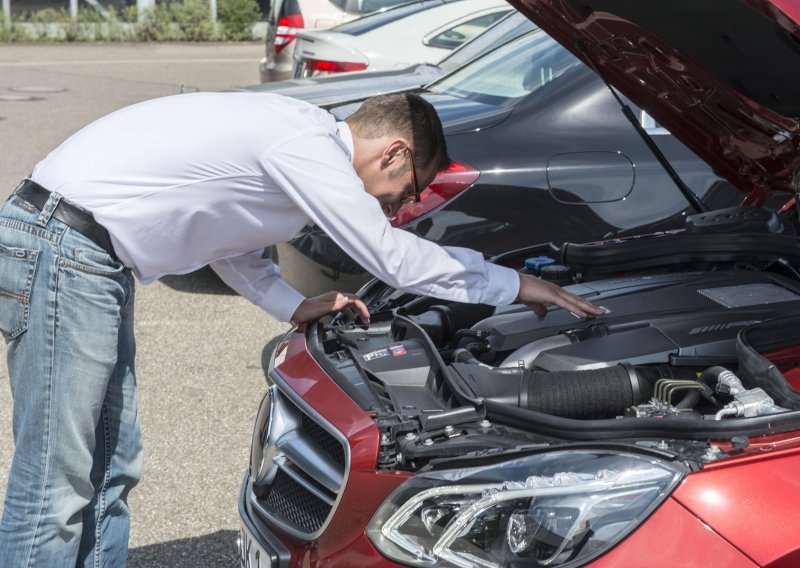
(315,172)
(259,280)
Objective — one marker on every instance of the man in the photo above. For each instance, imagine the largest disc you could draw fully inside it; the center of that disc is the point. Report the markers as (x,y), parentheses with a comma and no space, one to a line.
(166,187)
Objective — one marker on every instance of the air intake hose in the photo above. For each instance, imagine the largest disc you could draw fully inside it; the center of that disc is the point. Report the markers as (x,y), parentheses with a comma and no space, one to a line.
(590,394)
(587,395)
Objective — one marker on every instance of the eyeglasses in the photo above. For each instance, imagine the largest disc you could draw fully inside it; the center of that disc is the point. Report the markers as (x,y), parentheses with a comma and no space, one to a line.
(412,198)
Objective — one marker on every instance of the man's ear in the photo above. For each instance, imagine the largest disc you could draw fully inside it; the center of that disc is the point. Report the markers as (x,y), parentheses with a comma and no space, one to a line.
(392,152)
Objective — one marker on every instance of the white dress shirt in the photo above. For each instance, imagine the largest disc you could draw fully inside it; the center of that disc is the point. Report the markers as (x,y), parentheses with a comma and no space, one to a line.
(212,178)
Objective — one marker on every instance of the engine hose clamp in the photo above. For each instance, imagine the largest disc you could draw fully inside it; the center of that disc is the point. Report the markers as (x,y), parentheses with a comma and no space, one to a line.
(636,391)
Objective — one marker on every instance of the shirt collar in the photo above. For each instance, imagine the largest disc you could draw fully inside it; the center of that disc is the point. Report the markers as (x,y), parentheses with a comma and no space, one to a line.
(347,137)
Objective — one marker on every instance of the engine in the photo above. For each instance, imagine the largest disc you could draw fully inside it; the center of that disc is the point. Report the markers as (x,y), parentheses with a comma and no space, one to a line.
(704,351)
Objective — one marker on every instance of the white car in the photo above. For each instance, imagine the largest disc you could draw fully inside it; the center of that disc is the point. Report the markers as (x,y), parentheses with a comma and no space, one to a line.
(286,17)
(420,32)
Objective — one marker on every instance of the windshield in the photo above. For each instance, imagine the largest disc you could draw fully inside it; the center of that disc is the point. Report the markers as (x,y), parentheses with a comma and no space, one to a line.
(510,72)
(513,25)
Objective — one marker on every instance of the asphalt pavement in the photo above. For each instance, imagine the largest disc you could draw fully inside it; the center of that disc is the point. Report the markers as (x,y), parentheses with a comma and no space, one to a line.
(202,351)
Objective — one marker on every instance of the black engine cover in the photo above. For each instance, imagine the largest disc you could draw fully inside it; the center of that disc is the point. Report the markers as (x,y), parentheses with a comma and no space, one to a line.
(683,319)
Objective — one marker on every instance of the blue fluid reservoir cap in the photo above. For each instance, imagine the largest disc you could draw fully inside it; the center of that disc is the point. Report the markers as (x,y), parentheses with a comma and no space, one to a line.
(535,264)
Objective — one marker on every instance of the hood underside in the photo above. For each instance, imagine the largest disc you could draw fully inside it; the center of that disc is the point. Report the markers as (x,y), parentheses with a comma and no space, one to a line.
(719,74)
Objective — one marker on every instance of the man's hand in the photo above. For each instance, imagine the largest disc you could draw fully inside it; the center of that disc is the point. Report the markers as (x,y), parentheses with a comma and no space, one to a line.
(534,293)
(318,306)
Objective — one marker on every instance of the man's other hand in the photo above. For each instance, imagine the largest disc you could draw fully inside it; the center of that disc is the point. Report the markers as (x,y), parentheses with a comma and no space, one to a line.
(318,306)
(534,293)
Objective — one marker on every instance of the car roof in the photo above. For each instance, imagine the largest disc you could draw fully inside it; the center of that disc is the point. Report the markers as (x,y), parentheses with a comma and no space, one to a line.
(381,18)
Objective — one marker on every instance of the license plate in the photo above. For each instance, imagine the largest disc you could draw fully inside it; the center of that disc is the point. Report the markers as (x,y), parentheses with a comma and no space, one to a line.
(251,554)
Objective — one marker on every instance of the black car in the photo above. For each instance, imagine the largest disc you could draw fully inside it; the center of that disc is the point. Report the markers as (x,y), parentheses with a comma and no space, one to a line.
(542,153)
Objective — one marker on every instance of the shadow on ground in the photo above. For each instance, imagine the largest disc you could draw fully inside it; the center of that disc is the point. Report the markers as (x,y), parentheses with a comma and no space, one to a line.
(215,550)
(203,281)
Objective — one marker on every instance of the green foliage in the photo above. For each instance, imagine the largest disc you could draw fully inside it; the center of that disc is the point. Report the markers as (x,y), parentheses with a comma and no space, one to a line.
(53,25)
(153,24)
(179,20)
(49,16)
(189,20)
(237,17)
(10,32)
(193,18)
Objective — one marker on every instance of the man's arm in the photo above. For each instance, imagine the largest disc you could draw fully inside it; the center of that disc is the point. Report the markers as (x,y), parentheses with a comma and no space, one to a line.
(259,280)
(315,173)
(533,292)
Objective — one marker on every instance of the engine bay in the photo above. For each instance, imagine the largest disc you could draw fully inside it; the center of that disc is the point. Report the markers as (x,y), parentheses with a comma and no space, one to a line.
(697,343)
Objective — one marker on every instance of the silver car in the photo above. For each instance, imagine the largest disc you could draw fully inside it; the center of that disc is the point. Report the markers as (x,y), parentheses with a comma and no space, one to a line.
(286,17)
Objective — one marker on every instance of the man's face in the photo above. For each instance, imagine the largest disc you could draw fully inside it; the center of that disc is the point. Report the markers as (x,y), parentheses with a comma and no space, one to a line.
(398,180)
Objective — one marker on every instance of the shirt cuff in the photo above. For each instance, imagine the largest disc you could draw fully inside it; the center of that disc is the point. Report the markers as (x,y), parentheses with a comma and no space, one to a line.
(503,285)
(281,301)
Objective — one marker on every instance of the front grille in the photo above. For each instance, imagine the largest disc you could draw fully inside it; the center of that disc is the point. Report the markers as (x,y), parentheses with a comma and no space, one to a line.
(327,443)
(300,468)
(294,504)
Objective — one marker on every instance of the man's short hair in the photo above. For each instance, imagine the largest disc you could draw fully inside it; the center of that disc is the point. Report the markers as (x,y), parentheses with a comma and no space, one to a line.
(408,115)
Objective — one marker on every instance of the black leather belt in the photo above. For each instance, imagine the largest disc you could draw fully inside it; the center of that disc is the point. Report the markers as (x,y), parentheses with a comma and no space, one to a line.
(71,215)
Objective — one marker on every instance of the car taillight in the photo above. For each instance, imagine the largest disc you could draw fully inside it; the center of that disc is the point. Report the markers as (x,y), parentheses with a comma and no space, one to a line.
(313,67)
(445,186)
(286,31)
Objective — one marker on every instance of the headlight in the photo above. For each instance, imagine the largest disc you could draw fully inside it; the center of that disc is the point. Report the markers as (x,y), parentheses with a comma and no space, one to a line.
(551,509)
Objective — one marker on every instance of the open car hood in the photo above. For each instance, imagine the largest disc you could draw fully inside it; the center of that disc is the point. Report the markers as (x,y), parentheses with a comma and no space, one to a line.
(721,75)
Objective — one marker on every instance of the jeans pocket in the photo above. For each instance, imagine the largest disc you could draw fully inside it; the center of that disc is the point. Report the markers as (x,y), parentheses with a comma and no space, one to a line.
(17,267)
(92,261)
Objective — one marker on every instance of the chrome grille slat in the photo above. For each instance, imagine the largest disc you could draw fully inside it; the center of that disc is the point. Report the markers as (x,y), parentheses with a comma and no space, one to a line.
(301,478)
(308,457)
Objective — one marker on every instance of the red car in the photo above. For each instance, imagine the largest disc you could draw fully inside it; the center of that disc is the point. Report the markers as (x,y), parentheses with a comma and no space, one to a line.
(664,433)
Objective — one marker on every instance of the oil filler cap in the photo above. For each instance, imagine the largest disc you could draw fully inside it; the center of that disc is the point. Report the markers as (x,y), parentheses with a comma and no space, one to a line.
(557,273)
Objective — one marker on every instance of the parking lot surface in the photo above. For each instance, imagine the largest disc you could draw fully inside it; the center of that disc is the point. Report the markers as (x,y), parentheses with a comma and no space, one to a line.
(201,349)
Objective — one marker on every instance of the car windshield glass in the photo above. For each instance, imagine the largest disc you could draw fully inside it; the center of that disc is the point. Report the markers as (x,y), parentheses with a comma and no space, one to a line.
(510,72)
(508,28)
(384,17)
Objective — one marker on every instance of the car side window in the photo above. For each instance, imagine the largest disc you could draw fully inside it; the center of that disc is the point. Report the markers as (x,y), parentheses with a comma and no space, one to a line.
(463,31)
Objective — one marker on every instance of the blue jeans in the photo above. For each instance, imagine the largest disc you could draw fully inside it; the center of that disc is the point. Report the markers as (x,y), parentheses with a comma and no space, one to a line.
(66,313)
